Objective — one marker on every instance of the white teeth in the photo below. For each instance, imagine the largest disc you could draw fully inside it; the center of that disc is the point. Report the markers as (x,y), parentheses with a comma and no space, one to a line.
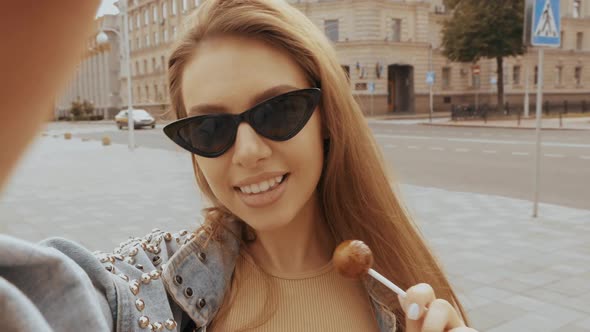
(262,186)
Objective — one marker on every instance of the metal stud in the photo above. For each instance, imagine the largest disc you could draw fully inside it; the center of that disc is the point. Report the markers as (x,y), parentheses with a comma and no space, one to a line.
(183,232)
(156,230)
(143,245)
(155,275)
(201,303)
(111,259)
(144,321)
(104,259)
(139,304)
(156,260)
(178,280)
(110,268)
(139,266)
(170,324)
(202,257)
(130,260)
(157,326)
(133,251)
(167,236)
(124,277)
(188,292)
(134,289)
(145,278)
(119,257)
(157,250)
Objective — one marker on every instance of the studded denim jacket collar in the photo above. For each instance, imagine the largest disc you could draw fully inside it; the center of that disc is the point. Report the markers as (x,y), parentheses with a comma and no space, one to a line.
(197,279)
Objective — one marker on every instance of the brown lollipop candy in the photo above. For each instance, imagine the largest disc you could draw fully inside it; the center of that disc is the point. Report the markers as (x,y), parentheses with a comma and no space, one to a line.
(353,259)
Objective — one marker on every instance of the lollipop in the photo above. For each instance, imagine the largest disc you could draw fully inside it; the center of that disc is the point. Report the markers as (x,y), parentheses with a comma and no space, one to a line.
(353,259)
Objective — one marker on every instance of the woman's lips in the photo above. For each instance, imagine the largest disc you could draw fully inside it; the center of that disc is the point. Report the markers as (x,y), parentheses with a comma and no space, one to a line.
(264,198)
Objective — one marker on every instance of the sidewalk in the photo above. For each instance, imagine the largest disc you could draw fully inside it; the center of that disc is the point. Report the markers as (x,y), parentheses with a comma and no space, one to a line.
(512,272)
(574,123)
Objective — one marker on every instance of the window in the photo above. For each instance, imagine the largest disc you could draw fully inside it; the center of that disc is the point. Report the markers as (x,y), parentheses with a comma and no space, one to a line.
(577,10)
(130,22)
(138,93)
(558,75)
(331,29)
(165,36)
(137,68)
(184,5)
(156,39)
(396,29)
(516,75)
(446,77)
(173,7)
(138,43)
(145,66)
(173,32)
(156,96)
(197,3)
(579,41)
(163,59)
(561,38)
(137,21)
(146,17)
(154,64)
(130,46)
(536,79)
(578,75)
(147,93)
(147,40)
(164,10)
(155,13)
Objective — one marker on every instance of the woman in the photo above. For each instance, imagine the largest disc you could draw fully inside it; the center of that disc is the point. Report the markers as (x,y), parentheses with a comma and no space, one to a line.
(298,172)
(288,179)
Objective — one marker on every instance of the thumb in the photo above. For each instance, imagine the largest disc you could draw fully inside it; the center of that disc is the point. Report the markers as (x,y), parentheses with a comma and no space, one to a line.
(410,324)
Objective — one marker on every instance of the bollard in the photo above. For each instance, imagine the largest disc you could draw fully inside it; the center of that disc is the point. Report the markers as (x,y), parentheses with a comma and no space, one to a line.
(565,106)
(106,140)
(68,135)
(518,117)
(546,107)
(560,122)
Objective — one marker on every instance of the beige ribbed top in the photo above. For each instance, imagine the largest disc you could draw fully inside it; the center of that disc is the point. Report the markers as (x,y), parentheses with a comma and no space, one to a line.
(320,300)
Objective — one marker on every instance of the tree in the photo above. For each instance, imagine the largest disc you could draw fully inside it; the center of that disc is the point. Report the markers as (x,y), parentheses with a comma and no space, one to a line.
(484,29)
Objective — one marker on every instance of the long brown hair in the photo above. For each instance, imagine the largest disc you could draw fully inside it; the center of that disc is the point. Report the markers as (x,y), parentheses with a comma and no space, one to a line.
(357,200)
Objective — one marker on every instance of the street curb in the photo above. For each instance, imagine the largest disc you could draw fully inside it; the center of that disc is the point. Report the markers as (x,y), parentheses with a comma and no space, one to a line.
(492,126)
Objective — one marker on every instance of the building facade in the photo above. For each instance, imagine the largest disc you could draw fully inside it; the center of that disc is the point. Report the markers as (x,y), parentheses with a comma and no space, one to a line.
(387,47)
(97,78)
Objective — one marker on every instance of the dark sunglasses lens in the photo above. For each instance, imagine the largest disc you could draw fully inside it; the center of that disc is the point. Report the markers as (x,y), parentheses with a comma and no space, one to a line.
(208,135)
(282,118)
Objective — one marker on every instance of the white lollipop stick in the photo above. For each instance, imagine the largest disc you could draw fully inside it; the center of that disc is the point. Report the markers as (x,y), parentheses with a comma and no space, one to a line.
(387,283)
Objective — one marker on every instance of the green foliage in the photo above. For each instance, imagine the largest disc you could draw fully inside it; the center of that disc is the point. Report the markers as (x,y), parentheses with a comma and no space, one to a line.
(83,111)
(483,29)
(76,109)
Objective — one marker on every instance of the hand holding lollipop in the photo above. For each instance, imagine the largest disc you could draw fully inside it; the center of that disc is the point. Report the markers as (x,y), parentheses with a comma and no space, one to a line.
(353,259)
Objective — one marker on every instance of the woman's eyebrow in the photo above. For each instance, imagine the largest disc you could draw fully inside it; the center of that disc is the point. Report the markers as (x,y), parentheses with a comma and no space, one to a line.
(266,94)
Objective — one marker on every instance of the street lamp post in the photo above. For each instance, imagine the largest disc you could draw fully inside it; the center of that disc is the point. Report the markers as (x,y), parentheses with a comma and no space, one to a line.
(102,38)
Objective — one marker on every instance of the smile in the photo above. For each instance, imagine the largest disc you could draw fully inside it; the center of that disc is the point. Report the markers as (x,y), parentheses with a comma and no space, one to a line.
(262,186)
(263,193)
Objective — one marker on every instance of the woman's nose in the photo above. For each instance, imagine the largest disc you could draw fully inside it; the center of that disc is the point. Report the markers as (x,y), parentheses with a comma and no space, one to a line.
(249,147)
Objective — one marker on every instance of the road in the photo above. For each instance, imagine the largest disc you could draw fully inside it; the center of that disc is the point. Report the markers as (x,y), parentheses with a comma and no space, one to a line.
(480,160)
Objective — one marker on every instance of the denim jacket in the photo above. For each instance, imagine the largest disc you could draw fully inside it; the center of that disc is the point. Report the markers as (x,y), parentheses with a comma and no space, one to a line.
(162,282)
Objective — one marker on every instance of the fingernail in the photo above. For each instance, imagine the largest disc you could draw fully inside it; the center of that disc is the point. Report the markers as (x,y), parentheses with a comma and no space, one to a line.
(413,311)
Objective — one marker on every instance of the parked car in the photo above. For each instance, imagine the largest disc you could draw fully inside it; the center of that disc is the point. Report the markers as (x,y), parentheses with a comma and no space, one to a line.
(141,118)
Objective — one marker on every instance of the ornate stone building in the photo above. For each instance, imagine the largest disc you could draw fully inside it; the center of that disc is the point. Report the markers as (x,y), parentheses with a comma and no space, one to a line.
(387,47)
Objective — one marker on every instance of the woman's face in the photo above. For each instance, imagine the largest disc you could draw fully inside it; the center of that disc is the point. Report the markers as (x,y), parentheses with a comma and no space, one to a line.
(232,74)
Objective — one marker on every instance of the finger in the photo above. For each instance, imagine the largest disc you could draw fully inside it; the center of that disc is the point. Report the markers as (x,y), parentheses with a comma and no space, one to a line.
(441,316)
(416,300)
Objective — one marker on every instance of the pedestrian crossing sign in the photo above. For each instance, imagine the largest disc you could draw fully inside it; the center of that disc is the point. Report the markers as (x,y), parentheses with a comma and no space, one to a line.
(546,27)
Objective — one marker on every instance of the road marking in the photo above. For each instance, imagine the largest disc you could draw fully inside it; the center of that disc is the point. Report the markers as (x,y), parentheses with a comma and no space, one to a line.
(475,140)
(585,157)
(553,155)
(390,146)
(436,148)
(489,151)
(520,153)
(461,150)
(413,147)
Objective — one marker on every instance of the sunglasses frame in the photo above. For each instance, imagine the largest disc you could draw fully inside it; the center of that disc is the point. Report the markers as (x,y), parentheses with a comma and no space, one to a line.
(172,130)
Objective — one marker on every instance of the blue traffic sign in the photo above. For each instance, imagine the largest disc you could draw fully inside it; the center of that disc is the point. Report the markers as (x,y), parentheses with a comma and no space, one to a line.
(430,75)
(546,27)
(371,87)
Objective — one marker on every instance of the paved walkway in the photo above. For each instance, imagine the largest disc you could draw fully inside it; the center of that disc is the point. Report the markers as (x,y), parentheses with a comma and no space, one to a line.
(513,273)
